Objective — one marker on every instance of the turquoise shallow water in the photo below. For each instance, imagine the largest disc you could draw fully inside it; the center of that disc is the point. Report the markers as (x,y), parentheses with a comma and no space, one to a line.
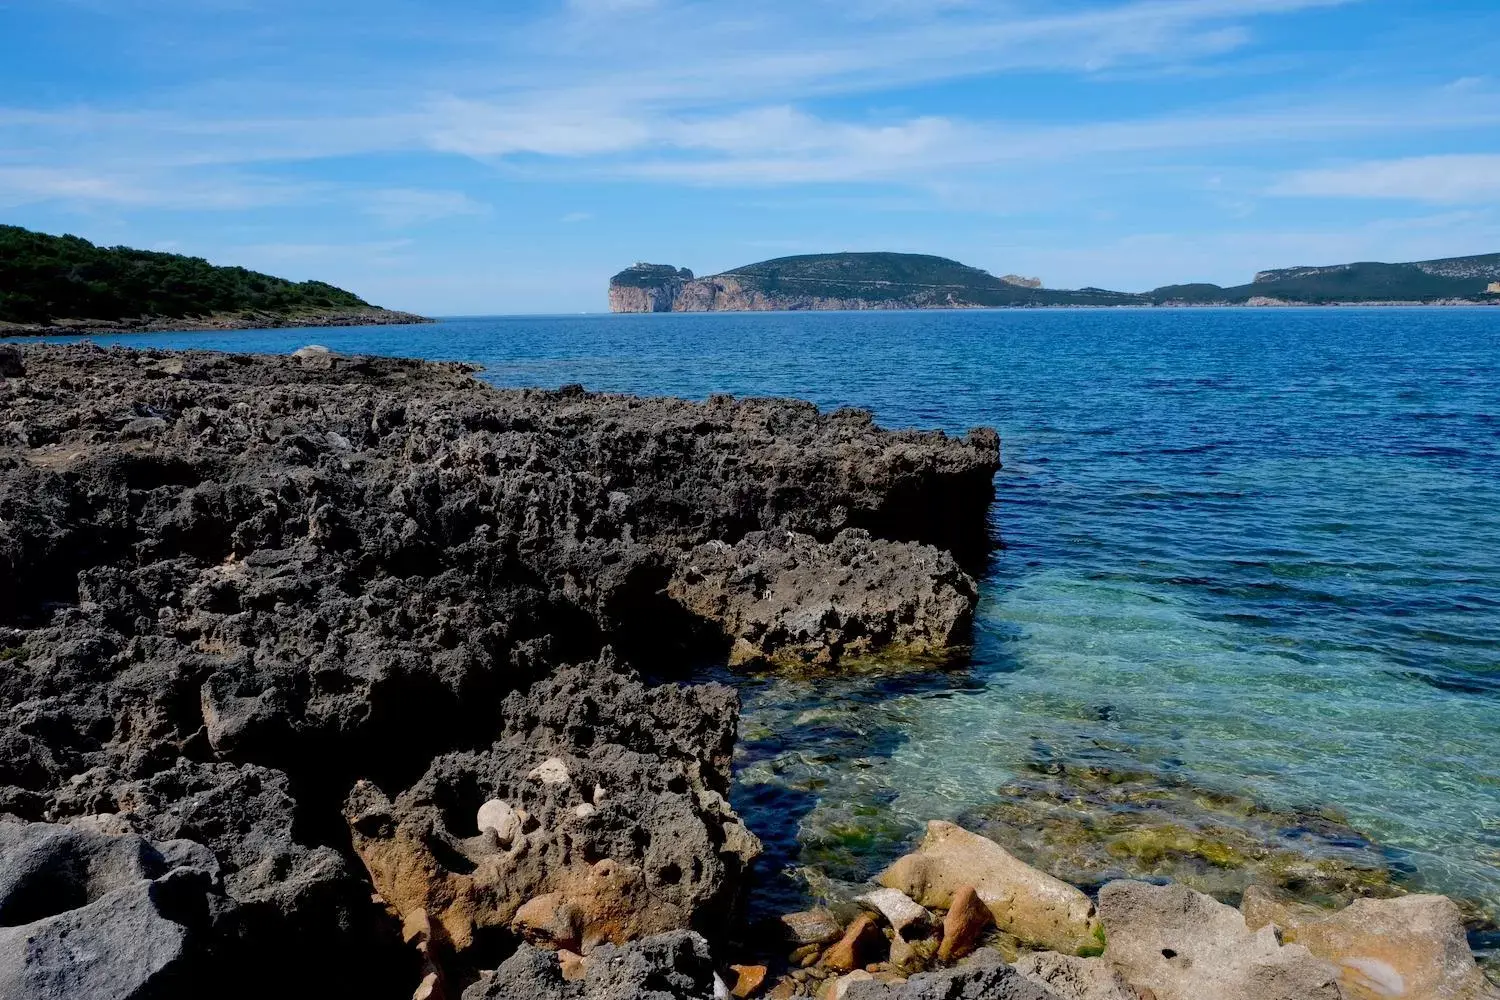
(1246,551)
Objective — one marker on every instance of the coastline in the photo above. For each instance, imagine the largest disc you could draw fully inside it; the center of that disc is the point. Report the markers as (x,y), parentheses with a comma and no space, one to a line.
(845,306)
(385,534)
(229,321)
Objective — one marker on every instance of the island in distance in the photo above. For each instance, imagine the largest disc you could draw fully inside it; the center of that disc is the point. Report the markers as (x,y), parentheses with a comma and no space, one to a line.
(918,281)
(65,284)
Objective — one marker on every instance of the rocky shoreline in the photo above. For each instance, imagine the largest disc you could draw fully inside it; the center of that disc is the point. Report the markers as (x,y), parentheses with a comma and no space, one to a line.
(332,676)
(373,316)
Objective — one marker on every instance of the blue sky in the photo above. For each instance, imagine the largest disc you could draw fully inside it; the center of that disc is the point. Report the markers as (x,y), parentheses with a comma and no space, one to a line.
(461,157)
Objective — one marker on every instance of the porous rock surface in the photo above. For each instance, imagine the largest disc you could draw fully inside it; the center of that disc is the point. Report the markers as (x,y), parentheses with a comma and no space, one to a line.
(89,914)
(671,966)
(787,598)
(233,586)
(1183,945)
(1412,946)
(985,976)
(626,830)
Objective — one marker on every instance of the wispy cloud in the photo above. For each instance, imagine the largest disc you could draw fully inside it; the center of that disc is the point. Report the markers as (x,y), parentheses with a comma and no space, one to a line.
(1457,179)
(400,207)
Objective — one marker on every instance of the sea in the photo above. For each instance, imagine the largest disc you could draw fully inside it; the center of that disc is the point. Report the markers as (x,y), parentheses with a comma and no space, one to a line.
(1245,592)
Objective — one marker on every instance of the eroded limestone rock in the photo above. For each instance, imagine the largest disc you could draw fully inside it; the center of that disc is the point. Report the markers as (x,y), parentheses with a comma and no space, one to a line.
(1069,977)
(984,976)
(1028,903)
(788,599)
(1411,947)
(1183,945)
(675,966)
(668,856)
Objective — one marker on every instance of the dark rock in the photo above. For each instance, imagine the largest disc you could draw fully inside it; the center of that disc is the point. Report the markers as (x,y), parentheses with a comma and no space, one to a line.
(786,598)
(984,976)
(84,914)
(231,586)
(11,363)
(674,966)
(626,831)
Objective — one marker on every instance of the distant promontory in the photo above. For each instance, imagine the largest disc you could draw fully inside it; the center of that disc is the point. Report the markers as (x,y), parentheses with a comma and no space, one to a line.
(63,284)
(918,281)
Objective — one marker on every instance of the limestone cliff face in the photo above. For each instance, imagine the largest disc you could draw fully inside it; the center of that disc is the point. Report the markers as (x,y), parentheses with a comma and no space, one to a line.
(725,293)
(633,299)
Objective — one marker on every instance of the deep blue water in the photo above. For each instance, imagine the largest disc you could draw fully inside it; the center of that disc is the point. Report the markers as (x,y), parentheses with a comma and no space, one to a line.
(1253,550)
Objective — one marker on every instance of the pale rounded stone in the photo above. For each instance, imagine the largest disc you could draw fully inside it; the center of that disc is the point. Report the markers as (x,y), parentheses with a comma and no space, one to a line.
(900,910)
(583,811)
(497,815)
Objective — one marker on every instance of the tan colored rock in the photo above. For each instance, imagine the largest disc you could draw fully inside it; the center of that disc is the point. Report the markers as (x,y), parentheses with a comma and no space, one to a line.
(907,917)
(549,919)
(785,989)
(314,356)
(750,978)
(574,965)
(967,919)
(1183,945)
(1069,977)
(841,985)
(1032,905)
(1412,948)
(861,944)
(912,956)
(815,927)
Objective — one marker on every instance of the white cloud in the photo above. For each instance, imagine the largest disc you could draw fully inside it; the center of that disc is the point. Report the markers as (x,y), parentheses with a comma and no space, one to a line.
(399,207)
(1458,178)
(27,185)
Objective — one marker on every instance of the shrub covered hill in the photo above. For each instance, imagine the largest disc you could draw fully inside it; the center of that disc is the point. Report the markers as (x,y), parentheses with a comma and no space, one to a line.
(918,281)
(51,282)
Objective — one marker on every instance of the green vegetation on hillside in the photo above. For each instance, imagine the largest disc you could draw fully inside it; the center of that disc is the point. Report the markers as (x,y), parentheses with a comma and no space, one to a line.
(880,277)
(48,278)
(650,275)
(1423,281)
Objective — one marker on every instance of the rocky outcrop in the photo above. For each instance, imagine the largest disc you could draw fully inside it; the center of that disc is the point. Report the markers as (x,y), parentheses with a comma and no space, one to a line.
(1069,977)
(786,598)
(598,818)
(984,977)
(232,587)
(89,914)
(1412,947)
(1035,907)
(675,966)
(1183,945)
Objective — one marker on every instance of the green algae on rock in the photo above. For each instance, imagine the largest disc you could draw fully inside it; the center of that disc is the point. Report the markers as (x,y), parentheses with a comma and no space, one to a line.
(1090,824)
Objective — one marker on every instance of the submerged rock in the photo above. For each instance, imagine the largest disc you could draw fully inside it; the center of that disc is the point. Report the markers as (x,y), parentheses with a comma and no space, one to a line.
(1034,906)
(1090,823)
